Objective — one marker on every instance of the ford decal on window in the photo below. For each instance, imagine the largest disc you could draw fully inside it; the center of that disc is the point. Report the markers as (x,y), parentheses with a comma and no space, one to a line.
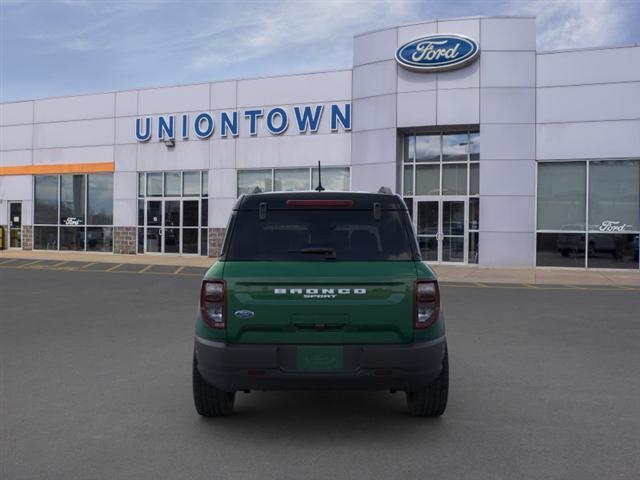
(436,53)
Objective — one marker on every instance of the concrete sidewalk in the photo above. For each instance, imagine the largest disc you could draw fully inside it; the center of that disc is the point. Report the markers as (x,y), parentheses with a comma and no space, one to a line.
(446,273)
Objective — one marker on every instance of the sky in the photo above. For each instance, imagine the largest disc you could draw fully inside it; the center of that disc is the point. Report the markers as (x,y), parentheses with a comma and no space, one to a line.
(68,47)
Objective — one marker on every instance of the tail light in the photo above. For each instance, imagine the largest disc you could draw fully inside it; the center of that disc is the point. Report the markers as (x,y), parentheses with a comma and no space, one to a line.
(427,303)
(213,303)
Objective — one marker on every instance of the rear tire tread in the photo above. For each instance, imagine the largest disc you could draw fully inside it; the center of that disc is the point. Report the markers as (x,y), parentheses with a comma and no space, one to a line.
(210,401)
(432,401)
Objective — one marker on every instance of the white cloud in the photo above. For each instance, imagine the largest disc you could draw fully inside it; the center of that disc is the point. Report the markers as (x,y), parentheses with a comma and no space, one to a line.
(573,24)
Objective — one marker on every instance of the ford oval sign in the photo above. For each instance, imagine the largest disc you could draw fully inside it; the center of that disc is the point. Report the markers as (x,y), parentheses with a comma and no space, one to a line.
(243,313)
(436,53)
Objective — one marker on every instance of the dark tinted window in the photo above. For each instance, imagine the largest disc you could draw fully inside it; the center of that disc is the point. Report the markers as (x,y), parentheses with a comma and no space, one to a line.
(354,235)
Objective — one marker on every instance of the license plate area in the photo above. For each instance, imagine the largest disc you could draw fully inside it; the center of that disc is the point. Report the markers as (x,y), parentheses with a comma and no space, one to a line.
(320,358)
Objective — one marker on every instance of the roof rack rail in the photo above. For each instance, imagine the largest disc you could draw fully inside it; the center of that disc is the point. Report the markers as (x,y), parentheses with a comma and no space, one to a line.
(385,190)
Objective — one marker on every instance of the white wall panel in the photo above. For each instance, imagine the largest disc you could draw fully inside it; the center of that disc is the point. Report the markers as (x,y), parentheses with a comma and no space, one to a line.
(16,187)
(75,108)
(581,67)
(589,140)
(374,113)
(466,77)
(375,79)
(125,212)
(223,95)
(508,105)
(222,183)
(73,155)
(508,69)
(469,27)
(374,146)
(125,185)
(219,211)
(334,149)
(374,47)
(127,103)
(73,134)
(614,101)
(506,249)
(27,212)
(508,33)
(369,178)
(459,106)
(15,158)
(507,141)
(413,32)
(416,109)
(507,214)
(174,99)
(295,89)
(222,153)
(16,113)
(507,177)
(125,157)
(409,81)
(192,155)
(126,130)
(16,137)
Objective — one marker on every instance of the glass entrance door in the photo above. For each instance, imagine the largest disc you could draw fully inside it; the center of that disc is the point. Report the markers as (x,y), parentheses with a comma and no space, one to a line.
(171,226)
(15,225)
(441,226)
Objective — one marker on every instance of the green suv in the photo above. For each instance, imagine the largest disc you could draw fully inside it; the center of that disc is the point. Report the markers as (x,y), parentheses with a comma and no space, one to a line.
(320,290)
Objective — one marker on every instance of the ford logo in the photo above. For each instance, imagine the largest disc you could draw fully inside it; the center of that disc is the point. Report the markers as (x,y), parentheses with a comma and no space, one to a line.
(244,313)
(436,53)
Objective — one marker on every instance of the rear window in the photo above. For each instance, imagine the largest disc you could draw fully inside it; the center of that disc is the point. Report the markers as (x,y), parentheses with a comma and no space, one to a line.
(310,235)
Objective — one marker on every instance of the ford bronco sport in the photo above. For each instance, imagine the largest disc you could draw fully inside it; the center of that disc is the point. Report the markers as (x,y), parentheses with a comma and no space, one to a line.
(320,290)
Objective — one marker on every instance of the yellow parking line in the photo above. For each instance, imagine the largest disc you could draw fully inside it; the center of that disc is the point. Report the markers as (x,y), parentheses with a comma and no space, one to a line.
(145,268)
(113,268)
(91,264)
(7,261)
(178,270)
(59,264)
(30,263)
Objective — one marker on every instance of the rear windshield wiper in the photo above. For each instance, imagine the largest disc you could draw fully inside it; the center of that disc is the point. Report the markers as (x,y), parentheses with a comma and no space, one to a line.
(330,253)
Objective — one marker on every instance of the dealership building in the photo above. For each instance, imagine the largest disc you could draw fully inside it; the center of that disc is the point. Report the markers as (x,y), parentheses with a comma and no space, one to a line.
(505,156)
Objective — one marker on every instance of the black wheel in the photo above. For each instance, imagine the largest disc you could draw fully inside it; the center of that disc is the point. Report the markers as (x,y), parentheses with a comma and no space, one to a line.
(209,401)
(432,401)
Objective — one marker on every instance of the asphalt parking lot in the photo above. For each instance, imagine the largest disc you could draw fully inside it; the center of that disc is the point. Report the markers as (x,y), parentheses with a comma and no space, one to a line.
(95,383)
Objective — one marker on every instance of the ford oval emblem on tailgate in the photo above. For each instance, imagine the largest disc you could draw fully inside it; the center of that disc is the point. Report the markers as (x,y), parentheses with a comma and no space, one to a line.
(244,313)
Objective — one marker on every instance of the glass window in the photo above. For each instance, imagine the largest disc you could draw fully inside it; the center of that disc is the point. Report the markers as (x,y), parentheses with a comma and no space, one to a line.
(45,238)
(140,212)
(172,213)
(205,184)
(249,180)
(46,201)
(454,179)
(72,238)
(473,247)
(613,250)
(474,146)
(204,213)
(292,179)
(474,214)
(140,240)
(408,180)
(189,240)
(154,184)
(204,240)
(560,249)
(100,199)
(191,184)
(474,179)
(190,213)
(428,248)
(99,239)
(141,184)
(172,184)
(333,178)
(614,196)
(72,201)
(427,179)
(561,196)
(455,147)
(409,148)
(427,148)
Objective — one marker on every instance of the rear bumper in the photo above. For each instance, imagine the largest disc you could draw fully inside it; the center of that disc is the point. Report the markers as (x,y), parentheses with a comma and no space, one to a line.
(408,367)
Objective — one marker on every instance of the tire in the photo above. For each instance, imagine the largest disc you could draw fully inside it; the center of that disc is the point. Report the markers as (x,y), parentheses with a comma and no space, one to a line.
(210,401)
(432,401)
